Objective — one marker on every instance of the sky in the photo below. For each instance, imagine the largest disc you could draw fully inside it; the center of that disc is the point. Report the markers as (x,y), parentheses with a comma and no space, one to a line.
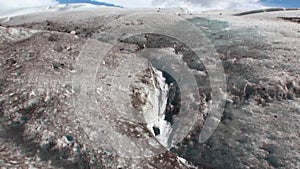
(9,5)
(283,3)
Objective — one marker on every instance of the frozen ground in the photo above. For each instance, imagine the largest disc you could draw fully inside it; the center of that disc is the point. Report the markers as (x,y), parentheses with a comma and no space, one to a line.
(69,98)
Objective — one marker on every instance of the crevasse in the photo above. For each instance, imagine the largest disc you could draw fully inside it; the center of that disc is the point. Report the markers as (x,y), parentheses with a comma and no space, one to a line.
(162,90)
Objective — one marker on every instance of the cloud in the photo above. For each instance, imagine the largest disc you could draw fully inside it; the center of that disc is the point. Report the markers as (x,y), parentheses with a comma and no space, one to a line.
(191,4)
(209,4)
(9,5)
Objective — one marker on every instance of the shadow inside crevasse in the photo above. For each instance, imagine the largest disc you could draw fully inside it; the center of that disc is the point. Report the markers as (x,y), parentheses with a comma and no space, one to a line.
(174,99)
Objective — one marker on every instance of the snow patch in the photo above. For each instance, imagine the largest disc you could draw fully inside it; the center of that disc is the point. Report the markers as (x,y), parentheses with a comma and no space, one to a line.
(186,163)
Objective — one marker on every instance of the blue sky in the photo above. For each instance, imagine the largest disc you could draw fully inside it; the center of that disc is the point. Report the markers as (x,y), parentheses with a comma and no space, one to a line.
(283,3)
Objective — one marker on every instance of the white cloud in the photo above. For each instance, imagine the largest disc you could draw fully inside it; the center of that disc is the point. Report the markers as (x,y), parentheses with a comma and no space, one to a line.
(191,4)
(209,4)
(9,5)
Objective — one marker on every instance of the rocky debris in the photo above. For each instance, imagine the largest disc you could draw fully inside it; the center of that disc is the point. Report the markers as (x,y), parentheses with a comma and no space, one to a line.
(37,102)
(291,19)
(40,126)
(32,102)
(261,111)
